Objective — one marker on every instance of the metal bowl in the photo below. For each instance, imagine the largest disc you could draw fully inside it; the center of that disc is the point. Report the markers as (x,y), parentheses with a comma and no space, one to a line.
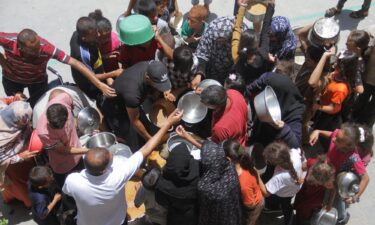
(208,82)
(267,106)
(101,140)
(175,140)
(324,218)
(194,110)
(256,17)
(347,184)
(88,120)
(120,150)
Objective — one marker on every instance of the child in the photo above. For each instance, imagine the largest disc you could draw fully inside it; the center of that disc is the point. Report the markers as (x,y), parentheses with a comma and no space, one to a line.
(155,213)
(194,27)
(366,142)
(343,154)
(236,82)
(320,177)
(149,9)
(44,197)
(252,187)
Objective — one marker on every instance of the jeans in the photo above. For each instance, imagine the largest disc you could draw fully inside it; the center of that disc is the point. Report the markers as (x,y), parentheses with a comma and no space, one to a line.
(206,2)
(365,6)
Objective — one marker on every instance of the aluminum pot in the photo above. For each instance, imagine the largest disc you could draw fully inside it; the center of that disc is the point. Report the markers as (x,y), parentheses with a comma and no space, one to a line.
(88,120)
(256,12)
(325,32)
(208,82)
(347,184)
(194,110)
(120,150)
(267,106)
(324,217)
(174,140)
(101,140)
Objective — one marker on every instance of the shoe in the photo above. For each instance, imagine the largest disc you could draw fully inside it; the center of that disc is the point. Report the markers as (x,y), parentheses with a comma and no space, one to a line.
(332,12)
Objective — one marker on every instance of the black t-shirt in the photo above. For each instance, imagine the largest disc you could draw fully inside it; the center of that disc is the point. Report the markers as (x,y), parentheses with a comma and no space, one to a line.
(90,56)
(131,86)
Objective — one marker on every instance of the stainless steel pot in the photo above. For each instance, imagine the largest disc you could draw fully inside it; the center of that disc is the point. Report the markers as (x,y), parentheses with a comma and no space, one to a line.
(88,120)
(324,218)
(175,140)
(256,17)
(120,150)
(267,106)
(347,184)
(325,32)
(101,140)
(208,82)
(194,109)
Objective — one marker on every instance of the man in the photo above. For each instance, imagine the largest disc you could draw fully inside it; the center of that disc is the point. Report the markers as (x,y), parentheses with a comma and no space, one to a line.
(134,85)
(84,47)
(25,61)
(57,131)
(230,113)
(99,190)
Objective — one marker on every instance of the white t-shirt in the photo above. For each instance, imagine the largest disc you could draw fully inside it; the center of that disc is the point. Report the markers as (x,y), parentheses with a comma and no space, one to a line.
(101,199)
(41,106)
(282,184)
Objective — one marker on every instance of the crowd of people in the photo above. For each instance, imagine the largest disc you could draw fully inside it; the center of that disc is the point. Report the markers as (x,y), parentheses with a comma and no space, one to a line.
(246,167)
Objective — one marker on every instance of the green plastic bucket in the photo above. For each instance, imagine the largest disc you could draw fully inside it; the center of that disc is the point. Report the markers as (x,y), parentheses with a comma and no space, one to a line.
(135,30)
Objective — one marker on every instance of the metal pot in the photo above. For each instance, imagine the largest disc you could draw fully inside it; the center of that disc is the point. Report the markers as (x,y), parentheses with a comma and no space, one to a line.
(254,15)
(120,150)
(267,106)
(101,140)
(208,82)
(194,110)
(347,184)
(325,32)
(175,140)
(324,218)
(88,120)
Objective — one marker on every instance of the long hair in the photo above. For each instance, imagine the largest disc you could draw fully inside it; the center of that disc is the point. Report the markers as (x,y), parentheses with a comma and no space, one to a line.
(347,64)
(249,43)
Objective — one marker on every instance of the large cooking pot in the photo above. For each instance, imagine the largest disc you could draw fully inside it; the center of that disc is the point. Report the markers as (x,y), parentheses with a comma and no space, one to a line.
(194,110)
(324,217)
(88,120)
(347,184)
(267,106)
(325,32)
(101,140)
(174,140)
(256,12)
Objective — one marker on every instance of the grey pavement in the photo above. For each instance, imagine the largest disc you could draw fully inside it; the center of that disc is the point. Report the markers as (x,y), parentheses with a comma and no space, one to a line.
(55,21)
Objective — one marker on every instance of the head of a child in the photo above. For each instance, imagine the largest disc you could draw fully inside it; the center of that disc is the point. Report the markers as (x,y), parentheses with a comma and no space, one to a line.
(150,178)
(322,173)
(313,54)
(366,141)
(347,138)
(346,66)
(358,41)
(183,59)
(248,47)
(160,5)
(285,67)
(235,81)
(214,97)
(148,8)
(41,177)
(197,15)
(103,25)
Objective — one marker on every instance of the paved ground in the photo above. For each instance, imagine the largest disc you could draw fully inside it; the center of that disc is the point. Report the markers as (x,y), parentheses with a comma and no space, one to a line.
(55,21)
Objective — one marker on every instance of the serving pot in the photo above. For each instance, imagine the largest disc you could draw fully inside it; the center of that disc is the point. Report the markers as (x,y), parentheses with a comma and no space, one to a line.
(88,120)
(325,32)
(347,184)
(101,140)
(174,140)
(267,106)
(324,217)
(194,110)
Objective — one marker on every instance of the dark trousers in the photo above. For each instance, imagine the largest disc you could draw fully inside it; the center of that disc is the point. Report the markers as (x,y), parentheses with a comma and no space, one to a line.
(365,5)
(36,90)
(60,178)
(364,108)
(274,201)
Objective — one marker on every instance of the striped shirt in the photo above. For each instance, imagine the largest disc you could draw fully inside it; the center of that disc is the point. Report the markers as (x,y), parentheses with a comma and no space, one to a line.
(26,72)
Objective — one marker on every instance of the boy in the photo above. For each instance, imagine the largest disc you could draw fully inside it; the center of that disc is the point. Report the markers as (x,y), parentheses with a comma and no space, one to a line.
(194,27)
(45,199)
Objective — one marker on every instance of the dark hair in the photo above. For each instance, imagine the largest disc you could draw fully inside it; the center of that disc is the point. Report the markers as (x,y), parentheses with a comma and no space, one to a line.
(236,83)
(103,24)
(249,43)
(183,59)
(285,67)
(214,95)
(365,146)
(57,114)
(39,175)
(97,160)
(348,67)
(26,35)
(361,39)
(85,25)
(315,52)
(146,7)
(159,2)
(277,153)
(150,178)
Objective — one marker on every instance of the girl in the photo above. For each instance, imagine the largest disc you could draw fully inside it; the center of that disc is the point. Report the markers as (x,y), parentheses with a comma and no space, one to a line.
(343,154)
(252,187)
(287,178)
(366,142)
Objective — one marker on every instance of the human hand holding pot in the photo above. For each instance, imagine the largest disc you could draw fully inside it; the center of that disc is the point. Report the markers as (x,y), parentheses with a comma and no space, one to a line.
(175,117)
(180,130)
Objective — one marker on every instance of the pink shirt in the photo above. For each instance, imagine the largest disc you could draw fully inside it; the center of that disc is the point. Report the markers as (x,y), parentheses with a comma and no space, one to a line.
(60,163)
(111,47)
(345,161)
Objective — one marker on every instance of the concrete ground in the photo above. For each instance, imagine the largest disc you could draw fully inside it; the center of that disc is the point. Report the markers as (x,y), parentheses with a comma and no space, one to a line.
(55,21)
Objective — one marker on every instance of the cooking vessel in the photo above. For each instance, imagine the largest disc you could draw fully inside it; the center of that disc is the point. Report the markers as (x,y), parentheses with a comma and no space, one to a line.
(194,109)
(267,106)
(88,120)
(160,111)
(324,217)
(208,82)
(174,140)
(347,184)
(134,30)
(35,144)
(255,18)
(325,32)
(120,150)
(101,140)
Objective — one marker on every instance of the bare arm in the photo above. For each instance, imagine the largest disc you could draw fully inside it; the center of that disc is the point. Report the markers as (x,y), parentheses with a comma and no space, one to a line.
(314,80)
(365,179)
(138,125)
(67,150)
(53,203)
(182,133)
(130,7)
(302,34)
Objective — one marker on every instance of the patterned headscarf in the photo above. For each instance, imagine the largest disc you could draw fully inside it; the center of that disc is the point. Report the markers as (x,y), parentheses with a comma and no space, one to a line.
(287,41)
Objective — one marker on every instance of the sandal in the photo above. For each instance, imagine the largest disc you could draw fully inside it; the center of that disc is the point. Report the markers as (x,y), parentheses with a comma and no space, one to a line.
(332,12)
(358,14)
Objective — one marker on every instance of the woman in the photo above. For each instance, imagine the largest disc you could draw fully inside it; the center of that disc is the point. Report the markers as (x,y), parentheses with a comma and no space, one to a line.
(177,190)
(15,131)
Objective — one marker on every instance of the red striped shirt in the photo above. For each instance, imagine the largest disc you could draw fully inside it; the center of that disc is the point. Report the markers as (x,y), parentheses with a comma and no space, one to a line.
(29,72)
